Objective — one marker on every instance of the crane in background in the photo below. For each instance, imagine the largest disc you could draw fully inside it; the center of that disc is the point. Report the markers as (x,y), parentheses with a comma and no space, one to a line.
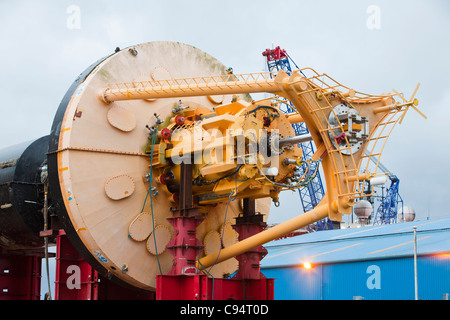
(278,59)
(388,209)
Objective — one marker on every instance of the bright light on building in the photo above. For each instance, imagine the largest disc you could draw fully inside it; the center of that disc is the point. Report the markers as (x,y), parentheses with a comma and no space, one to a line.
(307,265)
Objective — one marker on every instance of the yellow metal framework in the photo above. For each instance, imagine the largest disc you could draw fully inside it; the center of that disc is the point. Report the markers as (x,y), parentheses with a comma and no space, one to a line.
(315,97)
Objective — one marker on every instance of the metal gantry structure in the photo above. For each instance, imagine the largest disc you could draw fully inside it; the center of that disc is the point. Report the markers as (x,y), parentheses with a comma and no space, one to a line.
(388,209)
(278,59)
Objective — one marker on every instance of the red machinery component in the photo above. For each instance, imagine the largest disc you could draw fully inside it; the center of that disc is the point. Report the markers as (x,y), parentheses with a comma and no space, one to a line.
(166,134)
(275,54)
(266,121)
(166,178)
(179,120)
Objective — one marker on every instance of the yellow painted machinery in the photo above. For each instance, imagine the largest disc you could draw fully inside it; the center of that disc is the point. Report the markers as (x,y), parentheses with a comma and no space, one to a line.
(163,130)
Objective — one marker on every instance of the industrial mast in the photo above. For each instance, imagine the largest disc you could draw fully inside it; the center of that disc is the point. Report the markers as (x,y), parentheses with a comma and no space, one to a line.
(278,59)
(387,211)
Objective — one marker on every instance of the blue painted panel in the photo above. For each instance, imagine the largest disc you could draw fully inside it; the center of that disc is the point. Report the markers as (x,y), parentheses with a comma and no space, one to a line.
(433,276)
(297,283)
(387,279)
(391,279)
(372,262)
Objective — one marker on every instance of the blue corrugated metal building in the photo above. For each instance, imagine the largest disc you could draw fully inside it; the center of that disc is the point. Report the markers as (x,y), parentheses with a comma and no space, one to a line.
(372,262)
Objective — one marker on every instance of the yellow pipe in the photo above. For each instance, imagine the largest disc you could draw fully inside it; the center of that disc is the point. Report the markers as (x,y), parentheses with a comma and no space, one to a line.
(318,213)
(294,118)
(330,180)
(360,177)
(386,108)
(219,85)
(398,106)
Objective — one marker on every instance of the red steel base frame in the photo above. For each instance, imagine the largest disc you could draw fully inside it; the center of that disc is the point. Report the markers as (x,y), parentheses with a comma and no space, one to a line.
(20,277)
(184,246)
(77,280)
(200,287)
(248,283)
(249,262)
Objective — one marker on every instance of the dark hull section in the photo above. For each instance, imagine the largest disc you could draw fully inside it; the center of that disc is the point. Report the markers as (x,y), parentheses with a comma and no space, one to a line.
(21,195)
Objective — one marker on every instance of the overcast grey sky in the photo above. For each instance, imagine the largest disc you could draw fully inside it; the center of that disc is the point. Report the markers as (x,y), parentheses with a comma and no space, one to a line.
(44,49)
